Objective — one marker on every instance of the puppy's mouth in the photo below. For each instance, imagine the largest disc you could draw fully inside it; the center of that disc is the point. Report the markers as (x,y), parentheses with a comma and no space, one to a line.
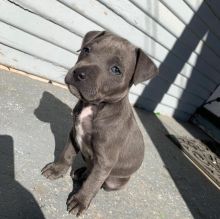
(74,91)
(80,95)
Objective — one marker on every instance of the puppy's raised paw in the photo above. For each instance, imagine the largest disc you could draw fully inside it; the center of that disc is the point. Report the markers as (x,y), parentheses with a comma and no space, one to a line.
(54,170)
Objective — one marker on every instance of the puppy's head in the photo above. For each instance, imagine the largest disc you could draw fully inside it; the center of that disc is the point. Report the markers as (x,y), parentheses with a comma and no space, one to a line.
(106,68)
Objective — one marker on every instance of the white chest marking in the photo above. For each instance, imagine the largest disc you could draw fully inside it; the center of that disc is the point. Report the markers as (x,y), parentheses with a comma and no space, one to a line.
(85,113)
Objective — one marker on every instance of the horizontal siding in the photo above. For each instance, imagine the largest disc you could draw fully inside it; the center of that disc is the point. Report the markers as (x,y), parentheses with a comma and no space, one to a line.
(208,18)
(101,15)
(161,108)
(215,10)
(60,15)
(35,46)
(214,107)
(164,16)
(38,27)
(111,21)
(154,29)
(156,26)
(20,60)
(183,77)
(213,47)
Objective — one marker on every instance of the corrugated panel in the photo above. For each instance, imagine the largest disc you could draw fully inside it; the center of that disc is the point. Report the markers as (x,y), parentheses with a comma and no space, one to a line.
(48,34)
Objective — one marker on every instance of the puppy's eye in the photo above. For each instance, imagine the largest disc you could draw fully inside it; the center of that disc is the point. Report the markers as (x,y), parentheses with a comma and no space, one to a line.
(86,50)
(115,70)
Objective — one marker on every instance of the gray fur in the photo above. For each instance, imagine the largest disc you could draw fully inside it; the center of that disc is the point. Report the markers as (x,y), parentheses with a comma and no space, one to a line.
(112,144)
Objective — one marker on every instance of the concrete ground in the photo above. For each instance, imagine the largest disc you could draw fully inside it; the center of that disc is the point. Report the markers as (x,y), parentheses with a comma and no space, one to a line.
(35,118)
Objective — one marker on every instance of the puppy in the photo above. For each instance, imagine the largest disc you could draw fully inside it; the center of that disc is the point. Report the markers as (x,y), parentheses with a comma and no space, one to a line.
(104,128)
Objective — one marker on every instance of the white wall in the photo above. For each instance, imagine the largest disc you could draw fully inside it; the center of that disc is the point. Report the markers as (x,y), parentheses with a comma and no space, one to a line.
(42,37)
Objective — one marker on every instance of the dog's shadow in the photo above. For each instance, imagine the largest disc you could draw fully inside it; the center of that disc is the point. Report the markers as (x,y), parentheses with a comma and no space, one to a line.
(58,114)
(53,111)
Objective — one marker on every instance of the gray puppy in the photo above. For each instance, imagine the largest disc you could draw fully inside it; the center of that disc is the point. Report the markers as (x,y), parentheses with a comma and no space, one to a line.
(104,127)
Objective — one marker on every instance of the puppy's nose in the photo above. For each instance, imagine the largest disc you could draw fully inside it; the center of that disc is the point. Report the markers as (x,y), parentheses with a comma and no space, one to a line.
(80,75)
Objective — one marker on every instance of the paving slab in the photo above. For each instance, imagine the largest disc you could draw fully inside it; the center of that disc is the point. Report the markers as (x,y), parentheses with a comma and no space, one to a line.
(35,119)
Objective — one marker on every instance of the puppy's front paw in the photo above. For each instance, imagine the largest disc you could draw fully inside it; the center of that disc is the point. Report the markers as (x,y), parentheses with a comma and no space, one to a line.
(54,170)
(76,204)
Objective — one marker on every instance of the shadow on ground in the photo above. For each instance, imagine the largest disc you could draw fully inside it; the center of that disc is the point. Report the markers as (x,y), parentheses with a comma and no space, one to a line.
(200,195)
(58,114)
(53,111)
(15,201)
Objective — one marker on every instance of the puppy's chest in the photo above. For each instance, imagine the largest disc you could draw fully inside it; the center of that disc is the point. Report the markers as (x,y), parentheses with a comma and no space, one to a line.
(83,129)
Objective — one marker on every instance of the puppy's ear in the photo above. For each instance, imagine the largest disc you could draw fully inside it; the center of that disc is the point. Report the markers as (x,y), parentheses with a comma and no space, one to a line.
(145,68)
(90,36)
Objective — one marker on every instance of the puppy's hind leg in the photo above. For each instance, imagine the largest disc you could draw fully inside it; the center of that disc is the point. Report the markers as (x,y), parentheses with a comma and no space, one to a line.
(59,168)
(115,183)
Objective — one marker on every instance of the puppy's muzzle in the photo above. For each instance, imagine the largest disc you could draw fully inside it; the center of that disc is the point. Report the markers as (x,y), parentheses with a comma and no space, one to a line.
(75,75)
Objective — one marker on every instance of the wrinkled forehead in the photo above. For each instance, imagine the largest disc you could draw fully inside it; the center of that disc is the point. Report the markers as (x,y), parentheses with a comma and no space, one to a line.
(112,45)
